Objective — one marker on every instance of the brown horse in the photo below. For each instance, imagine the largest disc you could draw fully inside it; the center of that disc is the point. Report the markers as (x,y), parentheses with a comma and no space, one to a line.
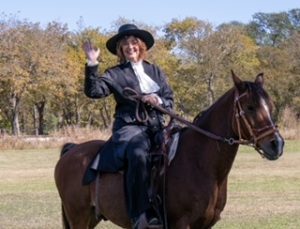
(196,180)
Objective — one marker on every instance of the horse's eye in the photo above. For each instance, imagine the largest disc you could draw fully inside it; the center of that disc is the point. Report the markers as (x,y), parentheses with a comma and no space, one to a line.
(250,108)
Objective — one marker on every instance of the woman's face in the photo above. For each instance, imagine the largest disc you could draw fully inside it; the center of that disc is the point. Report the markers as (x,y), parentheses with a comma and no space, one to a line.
(131,49)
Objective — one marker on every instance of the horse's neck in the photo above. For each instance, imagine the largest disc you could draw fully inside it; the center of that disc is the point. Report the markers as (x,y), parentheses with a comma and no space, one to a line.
(218,155)
(218,118)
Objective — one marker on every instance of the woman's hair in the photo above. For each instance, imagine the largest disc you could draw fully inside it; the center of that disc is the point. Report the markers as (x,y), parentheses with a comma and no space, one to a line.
(142,47)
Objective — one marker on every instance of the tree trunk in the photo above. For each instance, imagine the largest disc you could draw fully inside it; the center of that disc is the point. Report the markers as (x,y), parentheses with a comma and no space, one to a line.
(15,108)
(77,112)
(210,88)
(89,120)
(35,120)
(40,108)
(107,112)
(103,118)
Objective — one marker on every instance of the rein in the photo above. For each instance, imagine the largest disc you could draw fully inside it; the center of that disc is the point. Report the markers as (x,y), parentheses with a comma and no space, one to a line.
(238,114)
(134,96)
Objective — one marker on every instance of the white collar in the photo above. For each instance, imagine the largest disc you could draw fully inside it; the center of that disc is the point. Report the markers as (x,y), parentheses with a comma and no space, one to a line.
(137,64)
(147,85)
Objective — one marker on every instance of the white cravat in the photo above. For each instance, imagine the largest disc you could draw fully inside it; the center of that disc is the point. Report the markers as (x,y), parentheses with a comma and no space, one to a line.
(147,85)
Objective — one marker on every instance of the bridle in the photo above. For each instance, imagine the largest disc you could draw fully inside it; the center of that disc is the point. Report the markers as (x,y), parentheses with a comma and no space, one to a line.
(239,117)
(254,133)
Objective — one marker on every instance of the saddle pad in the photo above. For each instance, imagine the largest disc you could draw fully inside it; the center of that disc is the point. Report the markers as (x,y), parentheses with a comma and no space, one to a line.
(173,146)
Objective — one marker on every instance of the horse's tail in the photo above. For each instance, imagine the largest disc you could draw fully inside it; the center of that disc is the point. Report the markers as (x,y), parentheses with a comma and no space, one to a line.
(66,147)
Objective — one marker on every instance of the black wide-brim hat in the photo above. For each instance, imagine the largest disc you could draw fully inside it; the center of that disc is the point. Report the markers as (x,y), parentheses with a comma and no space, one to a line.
(129,30)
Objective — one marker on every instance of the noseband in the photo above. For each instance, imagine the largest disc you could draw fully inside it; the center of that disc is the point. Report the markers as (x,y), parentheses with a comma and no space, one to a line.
(254,133)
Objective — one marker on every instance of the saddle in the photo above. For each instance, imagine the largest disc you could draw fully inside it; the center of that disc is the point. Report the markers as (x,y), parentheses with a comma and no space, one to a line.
(162,153)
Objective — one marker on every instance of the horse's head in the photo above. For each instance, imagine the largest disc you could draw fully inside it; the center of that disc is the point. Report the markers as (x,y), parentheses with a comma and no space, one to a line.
(253,120)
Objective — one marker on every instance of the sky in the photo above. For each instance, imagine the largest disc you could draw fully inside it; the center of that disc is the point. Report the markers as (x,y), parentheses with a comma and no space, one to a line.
(102,14)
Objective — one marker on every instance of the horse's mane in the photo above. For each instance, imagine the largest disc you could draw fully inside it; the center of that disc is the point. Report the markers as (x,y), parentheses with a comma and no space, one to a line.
(200,118)
(255,91)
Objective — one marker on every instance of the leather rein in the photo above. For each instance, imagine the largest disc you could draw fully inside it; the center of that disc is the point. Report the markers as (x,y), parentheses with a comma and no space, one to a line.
(239,116)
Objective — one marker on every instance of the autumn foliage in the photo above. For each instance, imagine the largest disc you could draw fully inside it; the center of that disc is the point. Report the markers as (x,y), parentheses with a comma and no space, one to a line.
(42,68)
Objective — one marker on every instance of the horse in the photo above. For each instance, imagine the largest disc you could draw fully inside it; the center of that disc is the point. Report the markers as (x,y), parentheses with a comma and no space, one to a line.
(196,178)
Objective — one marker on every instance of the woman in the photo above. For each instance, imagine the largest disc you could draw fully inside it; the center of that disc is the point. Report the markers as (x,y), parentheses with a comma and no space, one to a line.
(131,140)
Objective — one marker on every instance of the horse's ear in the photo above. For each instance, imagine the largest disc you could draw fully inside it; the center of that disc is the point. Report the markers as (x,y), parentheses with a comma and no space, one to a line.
(237,81)
(260,79)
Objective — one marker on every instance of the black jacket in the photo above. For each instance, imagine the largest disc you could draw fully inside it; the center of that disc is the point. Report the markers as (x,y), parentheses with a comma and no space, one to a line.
(125,127)
(115,79)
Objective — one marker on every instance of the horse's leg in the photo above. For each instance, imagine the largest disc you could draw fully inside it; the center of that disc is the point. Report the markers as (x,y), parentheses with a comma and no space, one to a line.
(79,216)
(112,202)
(75,197)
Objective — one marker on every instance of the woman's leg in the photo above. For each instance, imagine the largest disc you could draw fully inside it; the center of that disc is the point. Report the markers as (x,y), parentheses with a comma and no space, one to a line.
(137,175)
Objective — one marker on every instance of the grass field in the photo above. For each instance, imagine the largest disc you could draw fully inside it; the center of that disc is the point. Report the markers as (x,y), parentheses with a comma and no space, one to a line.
(262,194)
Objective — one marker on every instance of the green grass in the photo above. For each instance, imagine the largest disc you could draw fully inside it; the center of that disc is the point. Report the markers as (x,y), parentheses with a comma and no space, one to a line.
(261,194)
(264,194)
(27,192)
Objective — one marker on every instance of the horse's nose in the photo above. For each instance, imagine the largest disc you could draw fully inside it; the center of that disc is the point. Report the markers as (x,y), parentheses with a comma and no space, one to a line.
(278,144)
(272,148)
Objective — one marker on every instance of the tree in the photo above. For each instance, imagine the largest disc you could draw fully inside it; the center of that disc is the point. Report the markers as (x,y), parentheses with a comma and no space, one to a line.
(14,74)
(77,109)
(46,50)
(207,57)
(186,38)
(277,33)
(274,28)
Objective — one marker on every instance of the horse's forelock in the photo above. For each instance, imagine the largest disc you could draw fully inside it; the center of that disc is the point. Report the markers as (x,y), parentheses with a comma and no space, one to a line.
(257,92)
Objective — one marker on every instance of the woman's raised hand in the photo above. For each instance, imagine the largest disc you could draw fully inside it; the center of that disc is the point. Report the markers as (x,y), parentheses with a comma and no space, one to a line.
(92,53)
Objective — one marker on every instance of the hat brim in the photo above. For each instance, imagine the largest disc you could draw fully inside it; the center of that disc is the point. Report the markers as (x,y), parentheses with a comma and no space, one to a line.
(144,35)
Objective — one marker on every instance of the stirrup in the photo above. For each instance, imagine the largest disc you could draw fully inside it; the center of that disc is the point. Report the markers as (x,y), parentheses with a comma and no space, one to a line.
(143,223)
(154,223)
